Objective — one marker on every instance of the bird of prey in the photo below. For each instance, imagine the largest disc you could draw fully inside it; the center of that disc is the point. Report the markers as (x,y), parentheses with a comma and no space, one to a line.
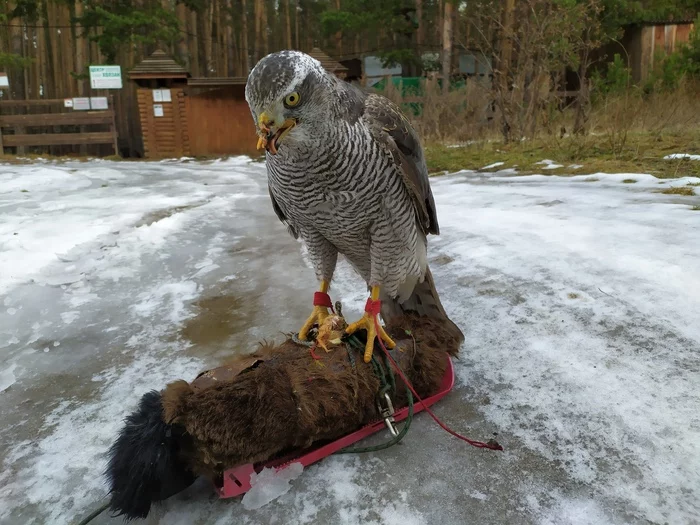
(347,175)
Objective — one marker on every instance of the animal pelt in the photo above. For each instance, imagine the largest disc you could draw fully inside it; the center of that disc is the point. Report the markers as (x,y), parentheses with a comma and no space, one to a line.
(259,407)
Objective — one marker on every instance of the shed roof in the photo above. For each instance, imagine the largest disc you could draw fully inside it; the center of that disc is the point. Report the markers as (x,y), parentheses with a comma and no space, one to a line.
(158,65)
(327,62)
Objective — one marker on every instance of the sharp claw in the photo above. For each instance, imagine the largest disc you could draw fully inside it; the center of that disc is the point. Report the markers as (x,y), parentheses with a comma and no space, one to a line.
(367,322)
(318,314)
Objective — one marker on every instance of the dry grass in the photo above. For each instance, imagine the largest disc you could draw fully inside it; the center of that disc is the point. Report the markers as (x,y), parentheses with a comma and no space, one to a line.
(679,190)
(628,133)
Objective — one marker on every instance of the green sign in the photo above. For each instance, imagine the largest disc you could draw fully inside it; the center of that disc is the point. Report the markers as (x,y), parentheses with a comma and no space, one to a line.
(105,77)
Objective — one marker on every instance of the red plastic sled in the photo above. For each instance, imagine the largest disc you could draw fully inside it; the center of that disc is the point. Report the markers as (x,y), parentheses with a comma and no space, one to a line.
(236,481)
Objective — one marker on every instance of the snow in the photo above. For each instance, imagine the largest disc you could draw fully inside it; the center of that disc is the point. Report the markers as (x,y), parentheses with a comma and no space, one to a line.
(549,164)
(269,485)
(577,295)
(688,156)
(494,165)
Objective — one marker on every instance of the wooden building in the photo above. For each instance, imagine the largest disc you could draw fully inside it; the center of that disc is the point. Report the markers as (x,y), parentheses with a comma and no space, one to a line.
(185,116)
(161,83)
(643,45)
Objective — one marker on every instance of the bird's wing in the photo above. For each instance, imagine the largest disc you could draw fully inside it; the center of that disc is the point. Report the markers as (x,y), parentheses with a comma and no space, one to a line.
(281,216)
(391,128)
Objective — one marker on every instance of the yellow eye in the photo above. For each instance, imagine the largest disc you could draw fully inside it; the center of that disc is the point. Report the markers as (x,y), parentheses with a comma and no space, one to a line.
(292,99)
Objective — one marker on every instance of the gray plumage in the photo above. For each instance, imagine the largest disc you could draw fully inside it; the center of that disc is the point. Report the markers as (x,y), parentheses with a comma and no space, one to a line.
(349,178)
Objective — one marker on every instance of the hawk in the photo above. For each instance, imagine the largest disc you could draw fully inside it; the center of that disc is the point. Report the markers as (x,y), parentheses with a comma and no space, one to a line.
(347,175)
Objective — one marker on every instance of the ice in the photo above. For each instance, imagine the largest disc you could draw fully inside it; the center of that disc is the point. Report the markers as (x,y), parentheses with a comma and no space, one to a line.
(270,484)
(578,297)
(682,156)
(7,377)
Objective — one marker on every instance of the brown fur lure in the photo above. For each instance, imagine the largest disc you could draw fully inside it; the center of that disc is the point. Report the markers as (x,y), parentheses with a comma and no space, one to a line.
(258,407)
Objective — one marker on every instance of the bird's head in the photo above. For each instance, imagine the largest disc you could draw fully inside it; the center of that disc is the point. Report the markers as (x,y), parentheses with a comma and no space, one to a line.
(288,95)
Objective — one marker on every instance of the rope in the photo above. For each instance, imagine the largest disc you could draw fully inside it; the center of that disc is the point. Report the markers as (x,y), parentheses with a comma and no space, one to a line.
(492,444)
(381,371)
(87,519)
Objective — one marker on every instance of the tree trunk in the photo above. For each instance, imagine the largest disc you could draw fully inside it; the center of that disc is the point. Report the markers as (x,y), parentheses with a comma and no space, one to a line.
(504,67)
(207,19)
(263,25)
(289,24)
(244,39)
(439,25)
(230,40)
(49,83)
(339,34)
(16,77)
(447,47)
(183,52)
(419,31)
(201,44)
(296,23)
(193,47)
(257,44)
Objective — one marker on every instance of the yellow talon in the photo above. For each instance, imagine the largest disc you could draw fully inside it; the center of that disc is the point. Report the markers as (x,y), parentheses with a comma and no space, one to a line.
(369,323)
(262,142)
(318,315)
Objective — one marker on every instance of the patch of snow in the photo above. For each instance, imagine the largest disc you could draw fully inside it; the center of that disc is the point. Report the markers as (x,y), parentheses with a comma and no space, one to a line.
(575,166)
(682,156)
(270,484)
(494,165)
(548,164)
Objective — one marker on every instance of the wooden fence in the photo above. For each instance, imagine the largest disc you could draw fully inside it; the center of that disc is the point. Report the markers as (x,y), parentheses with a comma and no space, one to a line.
(21,115)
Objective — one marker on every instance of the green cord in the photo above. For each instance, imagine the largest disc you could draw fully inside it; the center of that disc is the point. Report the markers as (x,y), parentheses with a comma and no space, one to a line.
(382,370)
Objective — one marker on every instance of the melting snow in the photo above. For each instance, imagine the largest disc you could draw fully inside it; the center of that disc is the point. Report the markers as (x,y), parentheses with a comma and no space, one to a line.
(578,300)
(682,156)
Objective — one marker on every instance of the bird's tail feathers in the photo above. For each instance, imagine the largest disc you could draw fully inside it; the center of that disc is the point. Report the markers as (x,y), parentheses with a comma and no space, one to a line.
(424,301)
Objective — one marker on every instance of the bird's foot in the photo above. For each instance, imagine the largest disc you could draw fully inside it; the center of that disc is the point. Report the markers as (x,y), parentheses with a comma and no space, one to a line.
(322,302)
(370,323)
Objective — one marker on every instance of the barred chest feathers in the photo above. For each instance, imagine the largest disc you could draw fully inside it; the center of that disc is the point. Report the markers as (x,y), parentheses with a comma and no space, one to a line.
(342,178)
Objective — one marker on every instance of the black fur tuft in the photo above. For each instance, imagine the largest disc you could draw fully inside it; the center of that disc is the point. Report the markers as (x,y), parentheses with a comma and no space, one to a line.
(144,463)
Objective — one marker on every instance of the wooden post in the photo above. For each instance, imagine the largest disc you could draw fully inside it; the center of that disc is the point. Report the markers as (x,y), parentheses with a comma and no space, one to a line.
(2,148)
(114,125)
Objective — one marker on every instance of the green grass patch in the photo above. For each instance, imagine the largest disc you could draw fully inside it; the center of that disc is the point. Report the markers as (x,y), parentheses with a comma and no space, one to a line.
(629,181)
(695,208)
(679,190)
(640,153)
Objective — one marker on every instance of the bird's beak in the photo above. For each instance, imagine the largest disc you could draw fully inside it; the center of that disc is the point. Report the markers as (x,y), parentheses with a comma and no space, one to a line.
(269,133)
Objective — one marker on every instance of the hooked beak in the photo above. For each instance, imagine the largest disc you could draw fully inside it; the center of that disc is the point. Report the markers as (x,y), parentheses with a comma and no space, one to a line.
(269,134)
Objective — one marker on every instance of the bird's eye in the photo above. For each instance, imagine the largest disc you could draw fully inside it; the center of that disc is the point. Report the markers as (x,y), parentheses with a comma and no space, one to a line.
(292,99)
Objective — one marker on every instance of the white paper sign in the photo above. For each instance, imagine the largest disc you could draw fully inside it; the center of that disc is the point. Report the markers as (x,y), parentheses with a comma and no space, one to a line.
(99,103)
(4,81)
(81,103)
(67,102)
(162,95)
(157,110)
(106,77)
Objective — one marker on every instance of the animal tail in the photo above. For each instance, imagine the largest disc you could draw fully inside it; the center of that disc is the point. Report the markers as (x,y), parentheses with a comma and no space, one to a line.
(424,301)
(144,462)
